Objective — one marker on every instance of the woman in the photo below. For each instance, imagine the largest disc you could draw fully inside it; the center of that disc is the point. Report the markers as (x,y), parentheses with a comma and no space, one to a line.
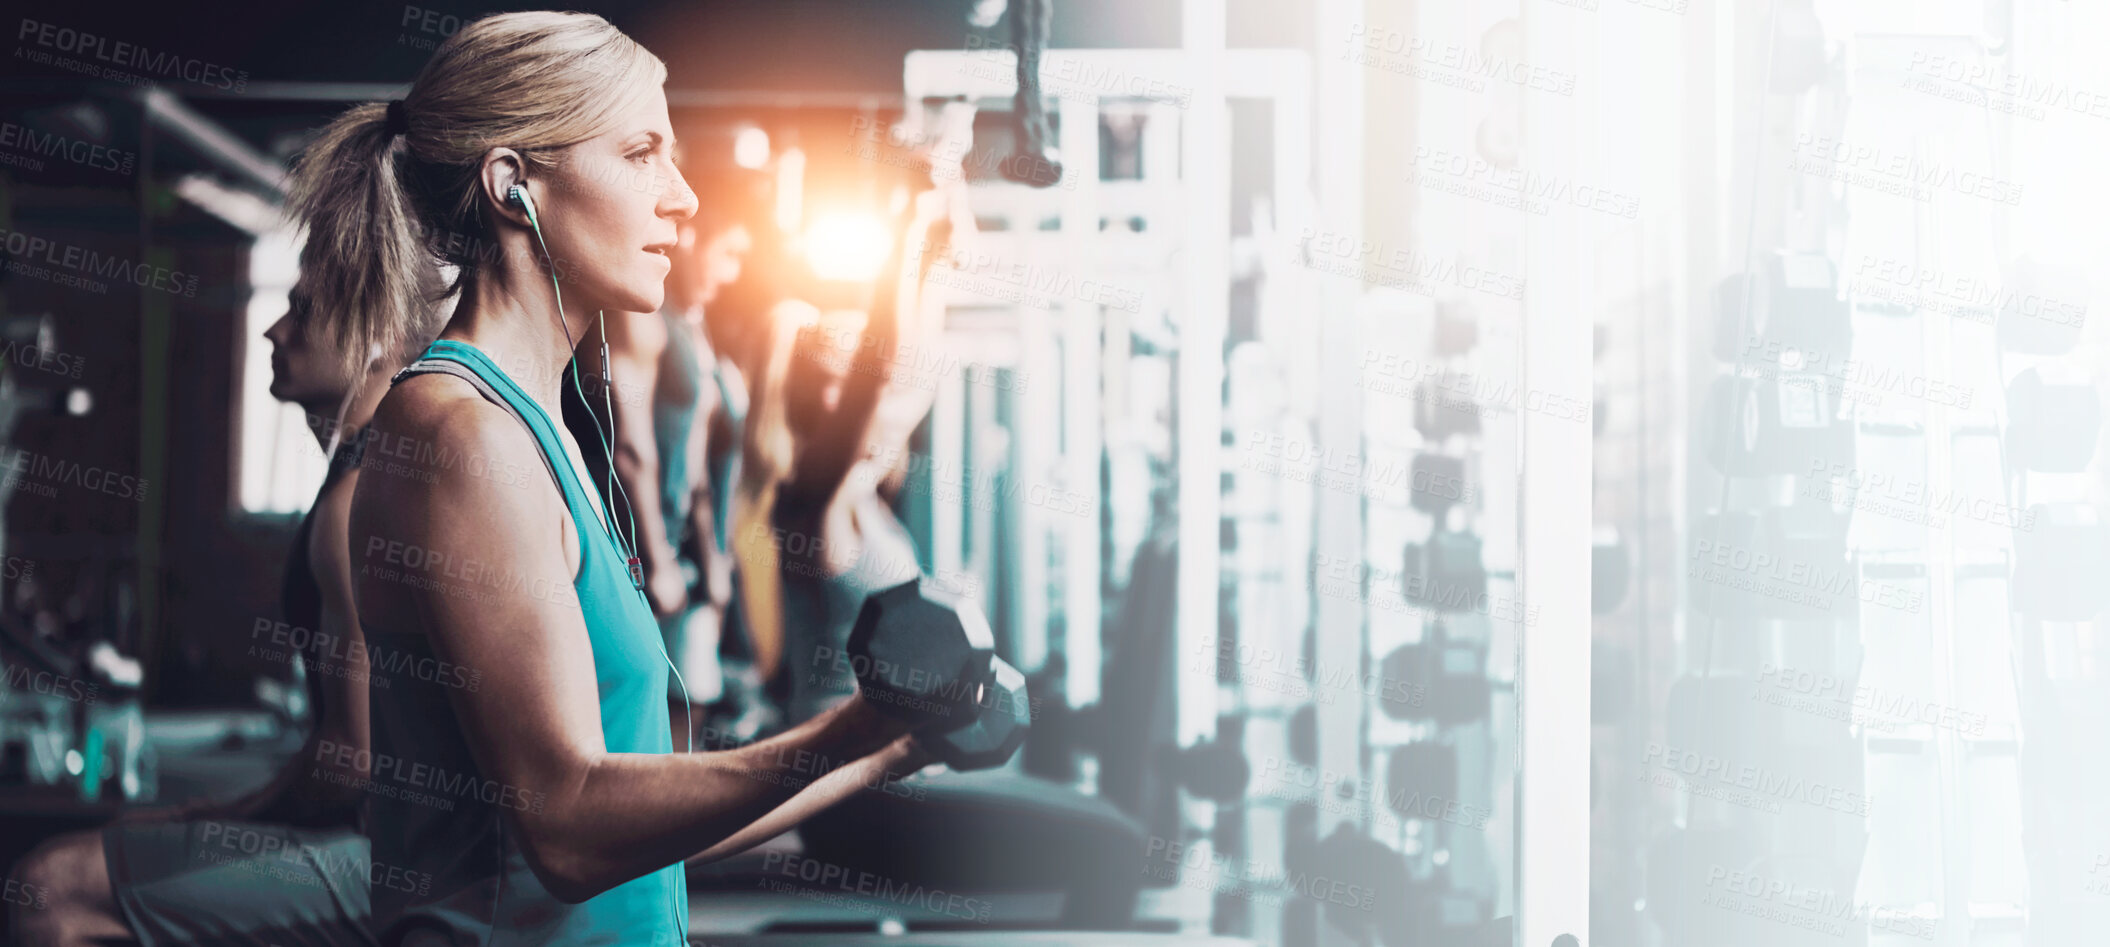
(813,534)
(522,756)
(673,416)
(285,864)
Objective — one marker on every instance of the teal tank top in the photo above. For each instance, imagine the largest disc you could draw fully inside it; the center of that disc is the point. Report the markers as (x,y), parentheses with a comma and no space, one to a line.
(433,817)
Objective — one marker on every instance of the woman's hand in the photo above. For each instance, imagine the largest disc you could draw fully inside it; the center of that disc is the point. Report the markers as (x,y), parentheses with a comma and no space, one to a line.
(668,590)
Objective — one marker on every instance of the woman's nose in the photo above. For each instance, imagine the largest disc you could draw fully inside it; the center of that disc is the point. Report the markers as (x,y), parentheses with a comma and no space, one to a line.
(680,201)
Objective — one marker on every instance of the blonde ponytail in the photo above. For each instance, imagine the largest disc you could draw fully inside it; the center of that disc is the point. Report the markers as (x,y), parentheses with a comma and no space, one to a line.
(384,204)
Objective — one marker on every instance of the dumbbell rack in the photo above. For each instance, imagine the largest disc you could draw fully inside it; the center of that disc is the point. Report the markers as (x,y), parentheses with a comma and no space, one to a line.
(1953,859)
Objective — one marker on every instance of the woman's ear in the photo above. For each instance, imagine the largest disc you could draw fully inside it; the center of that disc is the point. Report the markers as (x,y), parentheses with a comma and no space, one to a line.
(502,169)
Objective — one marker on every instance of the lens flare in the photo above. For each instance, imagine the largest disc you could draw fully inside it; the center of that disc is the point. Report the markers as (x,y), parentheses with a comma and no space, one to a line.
(847,247)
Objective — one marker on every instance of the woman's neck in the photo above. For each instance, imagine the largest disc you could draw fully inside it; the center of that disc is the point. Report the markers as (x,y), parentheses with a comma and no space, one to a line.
(512,319)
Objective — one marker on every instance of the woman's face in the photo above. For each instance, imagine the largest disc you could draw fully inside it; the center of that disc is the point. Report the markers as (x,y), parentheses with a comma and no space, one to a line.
(303,368)
(609,211)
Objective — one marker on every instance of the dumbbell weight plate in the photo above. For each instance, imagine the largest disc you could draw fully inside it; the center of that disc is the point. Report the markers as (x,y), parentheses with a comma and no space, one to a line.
(1003,714)
(921,655)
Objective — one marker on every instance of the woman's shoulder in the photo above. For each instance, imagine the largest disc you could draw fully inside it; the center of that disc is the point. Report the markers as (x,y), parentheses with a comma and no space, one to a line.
(437,419)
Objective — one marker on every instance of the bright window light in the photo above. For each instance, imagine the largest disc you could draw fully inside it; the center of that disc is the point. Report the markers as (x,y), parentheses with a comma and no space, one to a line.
(848,247)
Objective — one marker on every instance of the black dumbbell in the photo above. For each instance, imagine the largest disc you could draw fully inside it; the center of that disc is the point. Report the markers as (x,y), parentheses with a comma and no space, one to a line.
(1003,713)
(928,658)
(922,656)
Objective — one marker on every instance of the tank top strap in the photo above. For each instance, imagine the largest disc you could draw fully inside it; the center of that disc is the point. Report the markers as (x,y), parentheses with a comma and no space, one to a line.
(470,364)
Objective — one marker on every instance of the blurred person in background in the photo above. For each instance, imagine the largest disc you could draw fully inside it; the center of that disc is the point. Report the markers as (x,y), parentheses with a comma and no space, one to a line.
(812,534)
(287,862)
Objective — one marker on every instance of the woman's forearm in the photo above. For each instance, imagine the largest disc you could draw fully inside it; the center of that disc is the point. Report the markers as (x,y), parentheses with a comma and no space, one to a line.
(900,758)
(634,813)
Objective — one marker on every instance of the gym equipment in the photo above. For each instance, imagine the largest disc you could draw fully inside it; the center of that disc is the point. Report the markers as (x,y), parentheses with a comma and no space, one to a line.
(1438,414)
(1421,777)
(1612,675)
(1034,163)
(1776,563)
(1611,571)
(1372,871)
(2042,307)
(1216,770)
(2060,563)
(1449,676)
(1794,304)
(2051,427)
(1456,329)
(1775,424)
(1446,573)
(922,656)
(1003,715)
(1438,480)
(1798,60)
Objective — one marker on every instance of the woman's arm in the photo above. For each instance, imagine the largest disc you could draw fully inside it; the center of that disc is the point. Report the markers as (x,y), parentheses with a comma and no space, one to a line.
(591,818)
(635,343)
(900,758)
(301,793)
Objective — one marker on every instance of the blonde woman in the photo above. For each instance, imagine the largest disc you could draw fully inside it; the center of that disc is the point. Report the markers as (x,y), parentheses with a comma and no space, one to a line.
(522,771)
